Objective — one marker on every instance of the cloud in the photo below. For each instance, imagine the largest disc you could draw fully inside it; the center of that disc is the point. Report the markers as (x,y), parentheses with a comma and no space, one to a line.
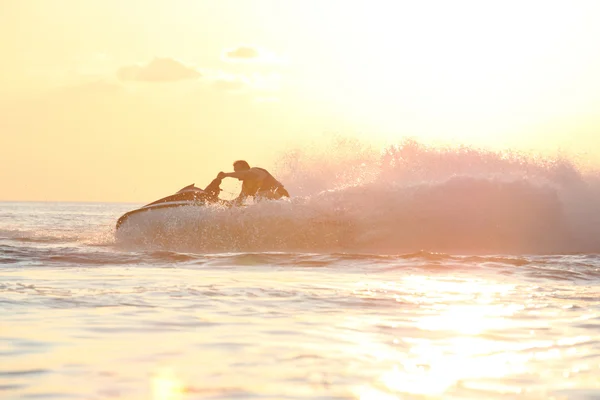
(250,54)
(158,70)
(242,52)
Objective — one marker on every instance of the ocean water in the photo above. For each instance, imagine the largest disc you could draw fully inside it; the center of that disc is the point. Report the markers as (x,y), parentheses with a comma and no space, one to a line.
(418,274)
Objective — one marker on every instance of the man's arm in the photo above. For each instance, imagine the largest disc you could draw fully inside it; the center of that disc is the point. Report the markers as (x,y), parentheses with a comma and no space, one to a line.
(241,175)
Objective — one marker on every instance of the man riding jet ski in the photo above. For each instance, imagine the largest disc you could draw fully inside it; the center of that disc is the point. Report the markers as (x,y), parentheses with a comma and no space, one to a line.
(256,182)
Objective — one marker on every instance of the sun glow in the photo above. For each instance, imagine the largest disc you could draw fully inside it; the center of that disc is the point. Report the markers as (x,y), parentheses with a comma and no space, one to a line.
(166,386)
(457,73)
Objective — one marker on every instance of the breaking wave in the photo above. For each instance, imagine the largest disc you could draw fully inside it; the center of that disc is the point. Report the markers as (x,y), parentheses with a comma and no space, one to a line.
(409,197)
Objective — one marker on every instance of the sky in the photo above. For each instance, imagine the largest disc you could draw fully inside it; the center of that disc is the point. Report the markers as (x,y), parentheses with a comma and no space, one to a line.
(130,100)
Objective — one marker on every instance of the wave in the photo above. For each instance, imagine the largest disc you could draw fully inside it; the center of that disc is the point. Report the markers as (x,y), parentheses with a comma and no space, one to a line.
(582,267)
(32,236)
(56,237)
(409,197)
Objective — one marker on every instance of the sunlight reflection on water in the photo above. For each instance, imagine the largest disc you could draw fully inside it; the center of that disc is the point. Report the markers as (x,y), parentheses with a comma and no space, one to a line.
(186,333)
(467,313)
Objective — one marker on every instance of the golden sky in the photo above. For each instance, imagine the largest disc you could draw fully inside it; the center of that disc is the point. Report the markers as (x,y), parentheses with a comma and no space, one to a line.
(118,100)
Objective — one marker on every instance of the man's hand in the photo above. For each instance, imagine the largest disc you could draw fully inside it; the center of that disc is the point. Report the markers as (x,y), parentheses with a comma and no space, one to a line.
(222,175)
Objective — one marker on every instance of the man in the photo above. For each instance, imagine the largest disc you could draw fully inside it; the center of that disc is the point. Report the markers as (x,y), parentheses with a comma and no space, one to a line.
(257,182)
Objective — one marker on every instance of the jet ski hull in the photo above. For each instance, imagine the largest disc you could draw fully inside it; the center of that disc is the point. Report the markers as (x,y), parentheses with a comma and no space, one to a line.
(128,216)
(186,197)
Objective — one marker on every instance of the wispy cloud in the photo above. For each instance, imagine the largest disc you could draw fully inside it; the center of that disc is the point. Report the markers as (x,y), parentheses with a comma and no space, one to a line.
(242,52)
(250,54)
(158,70)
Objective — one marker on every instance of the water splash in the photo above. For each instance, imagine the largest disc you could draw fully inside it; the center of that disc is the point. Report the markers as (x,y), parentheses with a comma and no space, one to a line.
(409,197)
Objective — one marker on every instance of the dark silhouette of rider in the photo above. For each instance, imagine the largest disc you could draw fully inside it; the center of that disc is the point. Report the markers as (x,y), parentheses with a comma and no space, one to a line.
(257,182)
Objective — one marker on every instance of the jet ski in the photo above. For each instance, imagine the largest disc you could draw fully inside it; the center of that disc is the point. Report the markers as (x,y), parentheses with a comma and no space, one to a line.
(187,196)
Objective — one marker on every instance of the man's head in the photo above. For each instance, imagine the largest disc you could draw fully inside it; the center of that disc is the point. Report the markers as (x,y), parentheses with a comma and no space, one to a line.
(241,165)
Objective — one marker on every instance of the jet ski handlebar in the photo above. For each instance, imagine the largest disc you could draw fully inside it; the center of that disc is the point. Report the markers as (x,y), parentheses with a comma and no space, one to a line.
(214,188)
